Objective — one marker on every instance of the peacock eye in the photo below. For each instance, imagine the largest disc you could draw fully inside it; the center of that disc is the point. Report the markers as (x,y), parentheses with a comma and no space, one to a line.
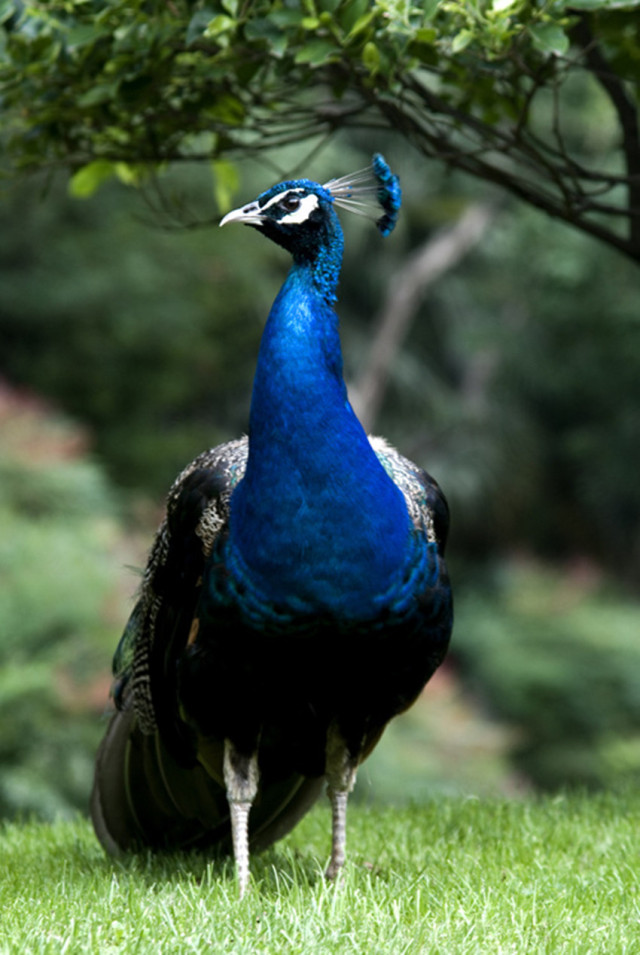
(291,203)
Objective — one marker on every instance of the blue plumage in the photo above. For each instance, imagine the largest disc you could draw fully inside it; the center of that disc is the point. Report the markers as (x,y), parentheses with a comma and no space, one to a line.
(389,194)
(296,597)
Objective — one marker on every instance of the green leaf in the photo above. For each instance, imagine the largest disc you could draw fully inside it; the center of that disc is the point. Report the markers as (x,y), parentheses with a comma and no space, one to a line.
(262,29)
(227,109)
(349,13)
(7,10)
(501,5)
(132,174)
(226,182)
(316,52)
(461,41)
(425,35)
(86,180)
(198,24)
(361,25)
(371,57)
(601,4)
(549,39)
(285,18)
(429,8)
(85,35)
(101,93)
(218,25)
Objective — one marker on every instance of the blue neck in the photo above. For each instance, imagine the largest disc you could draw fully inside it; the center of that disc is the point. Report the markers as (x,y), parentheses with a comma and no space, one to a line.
(316,523)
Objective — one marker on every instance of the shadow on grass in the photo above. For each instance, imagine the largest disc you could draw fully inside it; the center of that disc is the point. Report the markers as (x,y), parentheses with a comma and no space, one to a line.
(272,868)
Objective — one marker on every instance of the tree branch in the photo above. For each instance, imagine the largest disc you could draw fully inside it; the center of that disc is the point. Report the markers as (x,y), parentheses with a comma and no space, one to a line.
(627,115)
(569,205)
(437,256)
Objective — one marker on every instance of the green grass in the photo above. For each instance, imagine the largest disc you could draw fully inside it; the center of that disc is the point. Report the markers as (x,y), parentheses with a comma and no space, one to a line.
(557,875)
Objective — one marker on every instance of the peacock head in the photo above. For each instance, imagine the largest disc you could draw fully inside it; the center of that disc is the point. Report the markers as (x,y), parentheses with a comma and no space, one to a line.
(297,214)
(300,216)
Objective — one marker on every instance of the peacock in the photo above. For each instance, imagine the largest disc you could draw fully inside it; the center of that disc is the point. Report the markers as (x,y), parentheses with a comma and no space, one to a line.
(296,596)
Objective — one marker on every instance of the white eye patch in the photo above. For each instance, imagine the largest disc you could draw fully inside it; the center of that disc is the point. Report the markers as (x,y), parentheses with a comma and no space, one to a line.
(297,216)
(308,204)
(277,199)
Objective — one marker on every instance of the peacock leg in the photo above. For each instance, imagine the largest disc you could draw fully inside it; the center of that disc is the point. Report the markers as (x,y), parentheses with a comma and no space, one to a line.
(241,779)
(340,772)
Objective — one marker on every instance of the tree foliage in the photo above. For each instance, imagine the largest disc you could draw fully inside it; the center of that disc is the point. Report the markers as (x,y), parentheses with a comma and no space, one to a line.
(556,657)
(126,86)
(125,327)
(59,603)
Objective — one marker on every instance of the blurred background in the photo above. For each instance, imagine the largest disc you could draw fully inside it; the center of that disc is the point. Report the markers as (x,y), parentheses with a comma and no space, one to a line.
(128,342)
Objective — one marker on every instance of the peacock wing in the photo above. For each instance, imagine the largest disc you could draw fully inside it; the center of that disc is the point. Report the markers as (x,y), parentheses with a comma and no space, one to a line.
(156,783)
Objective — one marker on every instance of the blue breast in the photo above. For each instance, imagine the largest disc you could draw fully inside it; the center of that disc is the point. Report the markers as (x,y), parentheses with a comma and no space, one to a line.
(316,523)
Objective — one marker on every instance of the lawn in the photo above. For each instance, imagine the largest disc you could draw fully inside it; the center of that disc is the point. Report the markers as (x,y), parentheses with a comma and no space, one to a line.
(555,875)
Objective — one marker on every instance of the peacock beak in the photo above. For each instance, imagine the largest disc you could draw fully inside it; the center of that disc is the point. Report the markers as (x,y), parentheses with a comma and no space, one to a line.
(248,215)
